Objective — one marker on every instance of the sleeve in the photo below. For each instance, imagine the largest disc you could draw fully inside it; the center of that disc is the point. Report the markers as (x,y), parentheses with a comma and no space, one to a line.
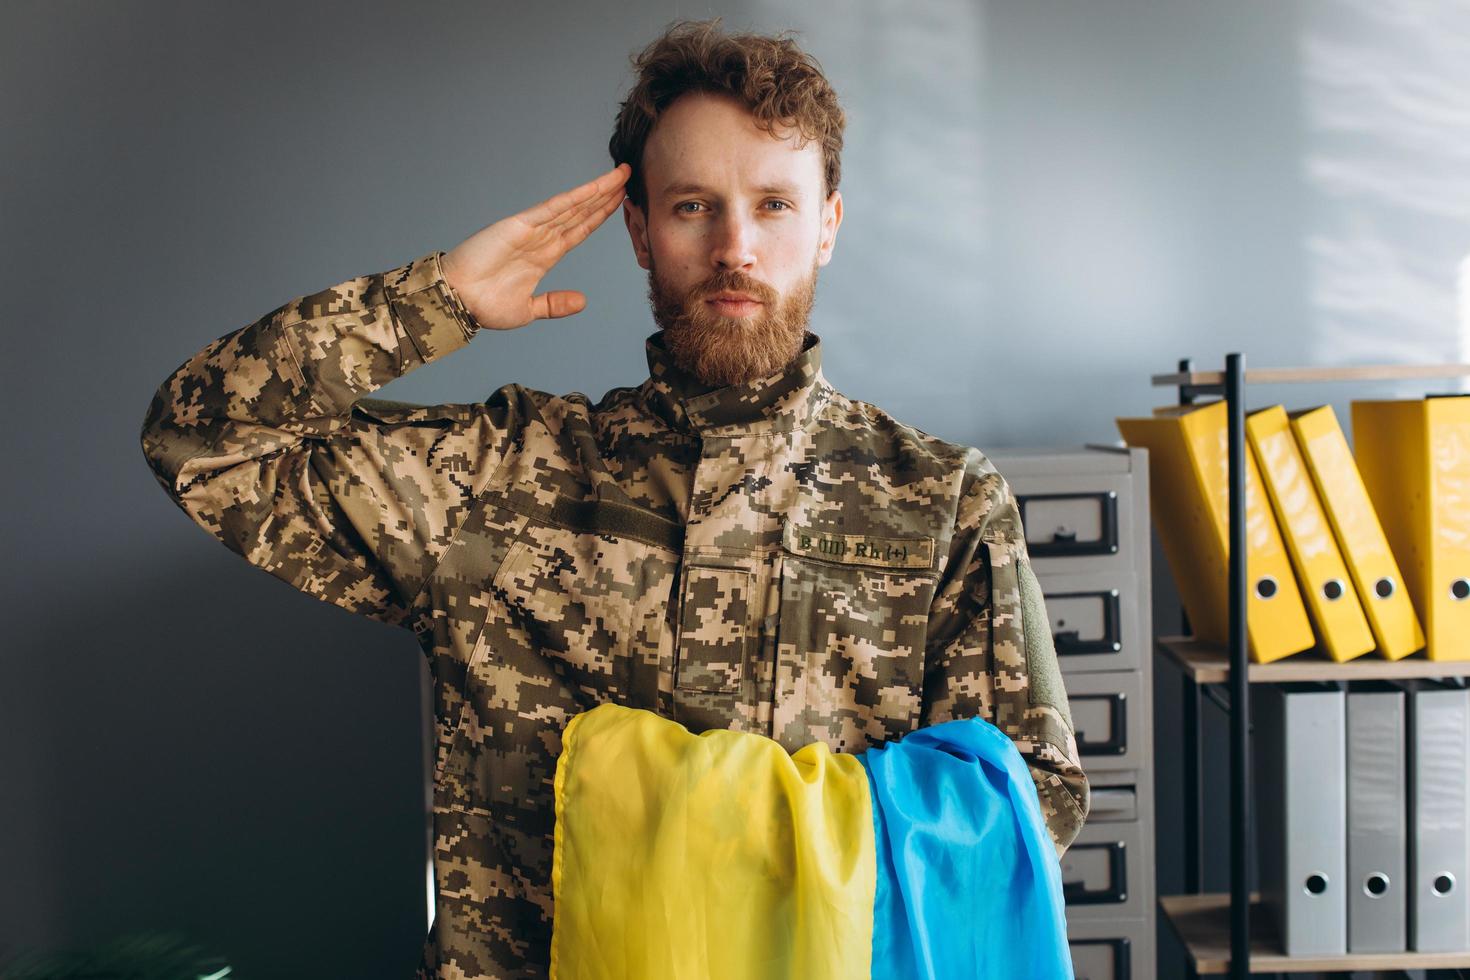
(260,439)
(990,653)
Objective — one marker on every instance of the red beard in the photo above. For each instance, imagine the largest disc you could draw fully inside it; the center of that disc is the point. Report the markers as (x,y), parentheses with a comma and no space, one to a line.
(724,350)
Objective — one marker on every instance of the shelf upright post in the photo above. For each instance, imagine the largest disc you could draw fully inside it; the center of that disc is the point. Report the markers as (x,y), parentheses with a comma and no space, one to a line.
(1240,810)
(1193,703)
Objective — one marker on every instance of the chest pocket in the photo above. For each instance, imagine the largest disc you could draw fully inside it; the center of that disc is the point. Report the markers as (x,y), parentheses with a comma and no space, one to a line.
(575,619)
(583,582)
(850,631)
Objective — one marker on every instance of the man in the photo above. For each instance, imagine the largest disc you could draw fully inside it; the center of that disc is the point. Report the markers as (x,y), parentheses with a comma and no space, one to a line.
(731,544)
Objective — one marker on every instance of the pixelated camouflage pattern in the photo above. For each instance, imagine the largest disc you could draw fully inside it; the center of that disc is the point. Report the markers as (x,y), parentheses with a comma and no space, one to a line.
(772,557)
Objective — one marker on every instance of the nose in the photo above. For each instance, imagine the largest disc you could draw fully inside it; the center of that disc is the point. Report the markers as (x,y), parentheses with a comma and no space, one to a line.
(734,245)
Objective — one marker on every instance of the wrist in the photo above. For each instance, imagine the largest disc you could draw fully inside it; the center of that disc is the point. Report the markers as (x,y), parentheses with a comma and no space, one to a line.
(448,269)
(448,281)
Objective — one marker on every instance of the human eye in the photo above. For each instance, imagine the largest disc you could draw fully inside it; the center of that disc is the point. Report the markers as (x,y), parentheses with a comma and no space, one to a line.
(784,205)
(679,207)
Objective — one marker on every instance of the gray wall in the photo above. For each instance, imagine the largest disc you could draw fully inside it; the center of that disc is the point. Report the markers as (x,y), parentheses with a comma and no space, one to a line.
(1045,203)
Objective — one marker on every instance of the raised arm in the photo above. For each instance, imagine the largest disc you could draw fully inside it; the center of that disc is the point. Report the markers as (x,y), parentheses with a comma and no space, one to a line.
(264,437)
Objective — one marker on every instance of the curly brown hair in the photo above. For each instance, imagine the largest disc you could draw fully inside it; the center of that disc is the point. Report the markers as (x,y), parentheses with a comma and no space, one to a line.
(777,81)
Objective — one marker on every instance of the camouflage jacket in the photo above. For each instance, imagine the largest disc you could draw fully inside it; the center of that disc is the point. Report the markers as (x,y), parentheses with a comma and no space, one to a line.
(772,557)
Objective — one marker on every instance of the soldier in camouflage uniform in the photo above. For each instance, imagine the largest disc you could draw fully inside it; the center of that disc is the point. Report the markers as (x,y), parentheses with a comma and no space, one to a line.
(769,555)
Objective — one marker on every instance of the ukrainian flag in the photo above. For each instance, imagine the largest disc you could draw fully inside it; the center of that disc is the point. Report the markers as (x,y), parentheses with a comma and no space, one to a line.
(720,856)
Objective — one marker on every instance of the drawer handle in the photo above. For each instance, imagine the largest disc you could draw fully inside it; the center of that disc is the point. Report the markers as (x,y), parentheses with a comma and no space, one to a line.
(1110,802)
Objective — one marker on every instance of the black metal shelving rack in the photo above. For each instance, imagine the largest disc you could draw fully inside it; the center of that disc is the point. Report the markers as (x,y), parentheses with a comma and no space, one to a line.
(1202,667)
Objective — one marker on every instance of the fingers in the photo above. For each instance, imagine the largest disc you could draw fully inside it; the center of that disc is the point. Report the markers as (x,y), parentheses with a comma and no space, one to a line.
(558,303)
(556,207)
(593,218)
(581,220)
(575,215)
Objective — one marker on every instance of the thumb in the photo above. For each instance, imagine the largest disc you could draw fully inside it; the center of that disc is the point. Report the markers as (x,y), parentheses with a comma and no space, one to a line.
(558,303)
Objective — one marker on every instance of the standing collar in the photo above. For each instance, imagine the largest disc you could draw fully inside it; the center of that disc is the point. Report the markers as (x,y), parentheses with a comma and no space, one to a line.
(788,399)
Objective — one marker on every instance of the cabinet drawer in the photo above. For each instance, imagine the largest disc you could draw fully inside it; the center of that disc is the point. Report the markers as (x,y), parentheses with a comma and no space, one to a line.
(1120,949)
(1102,872)
(1094,621)
(1113,804)
(1109,717)
(1102,959)
(1077,524)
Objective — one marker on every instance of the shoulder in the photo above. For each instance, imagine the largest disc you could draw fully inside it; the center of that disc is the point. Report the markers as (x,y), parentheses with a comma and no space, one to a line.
(969,470)
(508,402)
(511,402)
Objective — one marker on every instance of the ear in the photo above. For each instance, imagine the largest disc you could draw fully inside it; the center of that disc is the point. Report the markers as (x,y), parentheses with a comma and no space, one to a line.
(637,224)
(831,219)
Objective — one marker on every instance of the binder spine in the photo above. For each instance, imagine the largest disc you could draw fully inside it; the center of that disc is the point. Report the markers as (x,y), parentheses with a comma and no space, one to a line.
(1376,883)
(1439,913)
(1302,761)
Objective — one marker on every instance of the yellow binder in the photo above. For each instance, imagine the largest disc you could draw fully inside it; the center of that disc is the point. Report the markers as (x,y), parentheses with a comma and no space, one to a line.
(1189,479)
(1359,533)
(1332,601)
(1415,460)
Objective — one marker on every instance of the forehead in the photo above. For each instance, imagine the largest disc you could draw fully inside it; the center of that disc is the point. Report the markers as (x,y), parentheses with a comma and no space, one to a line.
(712,141)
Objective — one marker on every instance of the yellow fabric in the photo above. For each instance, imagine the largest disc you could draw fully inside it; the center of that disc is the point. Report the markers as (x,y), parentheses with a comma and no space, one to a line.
(707,857)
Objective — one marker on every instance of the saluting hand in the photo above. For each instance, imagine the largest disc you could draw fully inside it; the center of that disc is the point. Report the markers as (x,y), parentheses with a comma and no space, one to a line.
(496,270)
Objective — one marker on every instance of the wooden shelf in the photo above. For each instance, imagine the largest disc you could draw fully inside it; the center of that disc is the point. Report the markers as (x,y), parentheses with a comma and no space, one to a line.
(1202,923)
(1209,664)
(1381,372)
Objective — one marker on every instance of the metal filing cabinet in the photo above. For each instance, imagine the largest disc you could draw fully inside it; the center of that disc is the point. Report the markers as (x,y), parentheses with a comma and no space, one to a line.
(1086,518)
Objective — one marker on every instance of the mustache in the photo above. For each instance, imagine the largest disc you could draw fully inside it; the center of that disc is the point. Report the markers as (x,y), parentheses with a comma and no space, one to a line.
(732,281)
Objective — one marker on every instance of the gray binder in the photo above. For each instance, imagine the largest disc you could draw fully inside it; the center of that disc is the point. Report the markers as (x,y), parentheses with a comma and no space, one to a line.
(1377,840)
(1439,840)
(1299,759)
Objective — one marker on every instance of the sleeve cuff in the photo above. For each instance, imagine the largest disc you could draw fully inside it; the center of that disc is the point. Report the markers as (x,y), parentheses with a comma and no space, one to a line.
(431,313)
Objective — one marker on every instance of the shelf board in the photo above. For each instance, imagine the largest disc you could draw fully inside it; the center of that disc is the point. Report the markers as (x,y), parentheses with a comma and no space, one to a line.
(1380,372)
(1209,664)
(1202,923)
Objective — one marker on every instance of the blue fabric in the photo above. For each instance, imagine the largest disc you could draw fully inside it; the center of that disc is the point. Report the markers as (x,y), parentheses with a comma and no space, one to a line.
(968,883)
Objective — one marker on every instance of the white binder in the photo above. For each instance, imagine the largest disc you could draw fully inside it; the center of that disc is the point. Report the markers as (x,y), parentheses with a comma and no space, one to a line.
(1299,757)
(1439,832)
(1377,838)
